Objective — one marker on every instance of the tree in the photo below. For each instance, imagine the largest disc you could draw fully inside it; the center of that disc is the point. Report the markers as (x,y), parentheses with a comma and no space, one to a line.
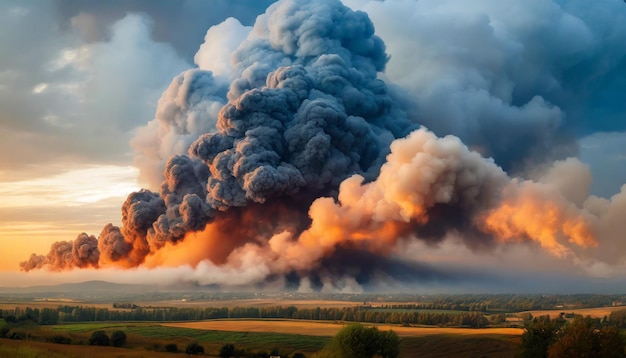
(118,338)
(583,337)
(539,334)
(48,316)
(388,344)
(194,348)
(356,341)
(99,338)
(227,350)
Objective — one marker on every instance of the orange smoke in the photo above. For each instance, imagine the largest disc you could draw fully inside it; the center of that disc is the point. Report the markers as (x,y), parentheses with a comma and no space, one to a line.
(230,230)
(531,211)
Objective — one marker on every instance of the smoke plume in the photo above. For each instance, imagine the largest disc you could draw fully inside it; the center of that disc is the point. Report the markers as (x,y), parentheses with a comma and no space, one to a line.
(286,151)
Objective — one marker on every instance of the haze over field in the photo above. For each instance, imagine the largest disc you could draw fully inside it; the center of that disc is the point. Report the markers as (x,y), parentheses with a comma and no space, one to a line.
(365,145)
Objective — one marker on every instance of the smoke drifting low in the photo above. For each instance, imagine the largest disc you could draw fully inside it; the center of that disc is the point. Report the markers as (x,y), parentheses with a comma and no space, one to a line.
(295,154)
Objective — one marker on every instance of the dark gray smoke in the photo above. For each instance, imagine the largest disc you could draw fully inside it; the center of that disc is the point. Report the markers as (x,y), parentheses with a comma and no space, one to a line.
(305,111)
(81,252)
(306,154)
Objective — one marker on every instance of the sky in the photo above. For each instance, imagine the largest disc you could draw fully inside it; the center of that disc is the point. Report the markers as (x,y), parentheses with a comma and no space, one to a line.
(392,145)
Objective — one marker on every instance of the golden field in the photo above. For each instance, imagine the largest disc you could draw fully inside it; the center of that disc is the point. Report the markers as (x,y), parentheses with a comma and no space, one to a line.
(329,329)
(598,312)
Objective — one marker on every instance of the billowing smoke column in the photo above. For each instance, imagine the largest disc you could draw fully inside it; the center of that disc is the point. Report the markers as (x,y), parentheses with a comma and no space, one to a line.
(305,111)
(81,252)
(296,153)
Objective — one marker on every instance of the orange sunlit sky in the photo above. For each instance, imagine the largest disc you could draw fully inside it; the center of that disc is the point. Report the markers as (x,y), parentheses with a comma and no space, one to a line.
(96,98)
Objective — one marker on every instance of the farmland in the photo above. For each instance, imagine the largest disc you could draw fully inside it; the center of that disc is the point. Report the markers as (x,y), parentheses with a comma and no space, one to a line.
(428,326)
(149,339)
(329,329)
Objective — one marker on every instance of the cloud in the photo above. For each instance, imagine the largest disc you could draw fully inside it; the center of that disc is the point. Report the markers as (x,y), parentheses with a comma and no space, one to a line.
(515,80)
(307,144)
(77,102)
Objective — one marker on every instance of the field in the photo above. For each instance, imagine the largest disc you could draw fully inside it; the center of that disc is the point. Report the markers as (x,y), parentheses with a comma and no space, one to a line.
(157,335)
(329,329)
(593,312)
(33,349)
(9,305)
(149,339)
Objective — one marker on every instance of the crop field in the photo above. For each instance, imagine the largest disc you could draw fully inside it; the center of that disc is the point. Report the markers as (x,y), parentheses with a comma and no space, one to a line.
(307,336)
(211,339)
(330,329)
(9,305)
(593,312)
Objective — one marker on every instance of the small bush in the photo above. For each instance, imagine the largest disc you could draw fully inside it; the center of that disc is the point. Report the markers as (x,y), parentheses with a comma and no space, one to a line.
(60,339)
(99,338)
(227,351)
(194,348)
(118,338)
(171,347)
(15,335)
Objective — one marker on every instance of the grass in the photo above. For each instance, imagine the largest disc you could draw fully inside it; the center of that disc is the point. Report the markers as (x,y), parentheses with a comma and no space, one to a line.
(24,351)
(149,339)
(460,346)
(89,327)
(156,336)
(34,349)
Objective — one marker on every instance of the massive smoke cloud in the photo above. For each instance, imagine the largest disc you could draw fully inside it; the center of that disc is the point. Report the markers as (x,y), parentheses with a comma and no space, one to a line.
(287,151)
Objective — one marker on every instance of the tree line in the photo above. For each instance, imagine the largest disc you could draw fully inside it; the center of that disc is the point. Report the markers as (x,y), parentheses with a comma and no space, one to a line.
(394,314)
(63,314)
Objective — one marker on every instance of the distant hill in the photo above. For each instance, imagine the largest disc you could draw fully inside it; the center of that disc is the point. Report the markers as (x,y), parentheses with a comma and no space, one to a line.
(94,291)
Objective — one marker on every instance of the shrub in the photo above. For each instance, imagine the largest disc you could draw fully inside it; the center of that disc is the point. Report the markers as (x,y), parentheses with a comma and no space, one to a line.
(118,338)
(171,347)
(99,338)
(60,339)
(227,350)
(194,348)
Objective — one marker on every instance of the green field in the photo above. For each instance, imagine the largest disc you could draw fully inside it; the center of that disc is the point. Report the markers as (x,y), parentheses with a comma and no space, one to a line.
(158,336)
(149,338)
